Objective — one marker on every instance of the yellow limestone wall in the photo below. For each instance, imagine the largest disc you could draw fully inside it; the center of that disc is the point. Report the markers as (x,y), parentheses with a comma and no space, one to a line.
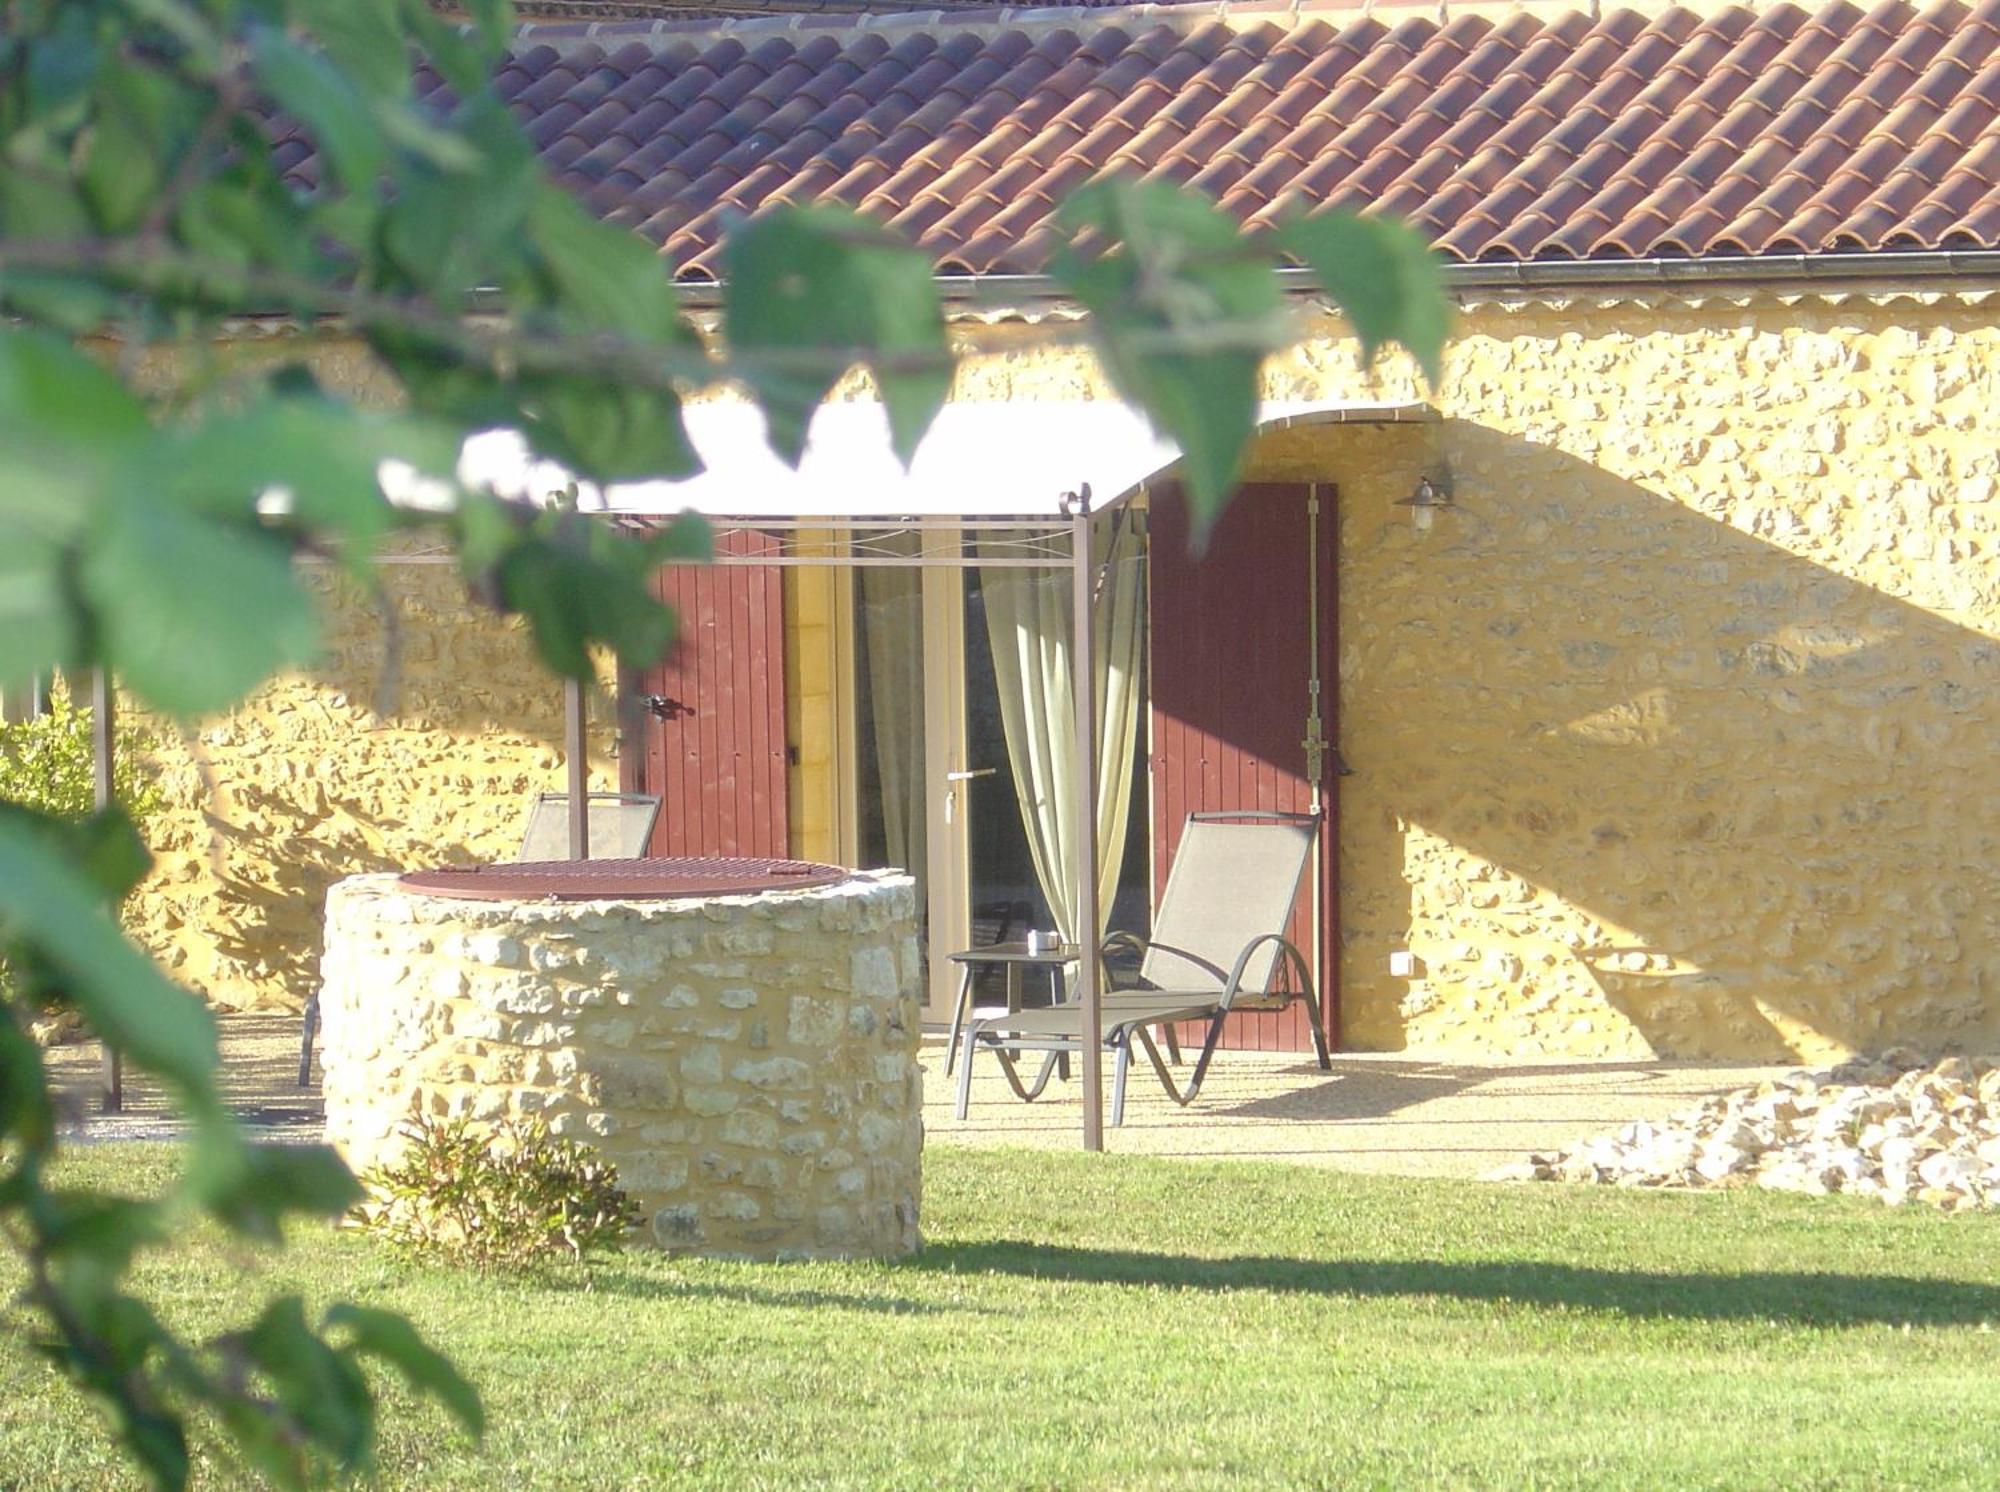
(1672,739)
(1676,737)
(305,784)
(815,600)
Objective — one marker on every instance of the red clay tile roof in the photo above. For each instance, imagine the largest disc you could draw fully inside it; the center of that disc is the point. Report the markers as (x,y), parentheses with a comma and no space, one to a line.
(1525,136)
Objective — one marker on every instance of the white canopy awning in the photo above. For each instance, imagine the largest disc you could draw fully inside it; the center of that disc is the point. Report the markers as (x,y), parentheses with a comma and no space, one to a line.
(977,461)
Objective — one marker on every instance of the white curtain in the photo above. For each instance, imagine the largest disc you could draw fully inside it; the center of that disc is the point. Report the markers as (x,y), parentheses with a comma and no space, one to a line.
(1028,619)
(893,600)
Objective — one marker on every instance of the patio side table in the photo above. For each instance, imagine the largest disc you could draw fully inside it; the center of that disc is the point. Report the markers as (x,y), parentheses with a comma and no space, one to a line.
(1013,958)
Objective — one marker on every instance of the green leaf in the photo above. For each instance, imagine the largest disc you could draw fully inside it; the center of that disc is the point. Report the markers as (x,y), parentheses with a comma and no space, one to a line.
(1383,276)
(53,909)
(605,278)
(104,845)
(142,123)
(391,1338)
(55,397)
(575,580)
(322,1390)
(1184,311)
(65,424)
(175,592)
(453,231)
(806,286)
(324,456)
(244,218)
(26,1115)
(108,1229)
(76,304)
(463,58)
(253,1188)
(363,40)
(607,431)
(39,624)
(340,120)
(62,67)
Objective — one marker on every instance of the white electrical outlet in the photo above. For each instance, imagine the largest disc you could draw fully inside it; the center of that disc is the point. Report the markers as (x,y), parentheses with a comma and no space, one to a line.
(1403,964)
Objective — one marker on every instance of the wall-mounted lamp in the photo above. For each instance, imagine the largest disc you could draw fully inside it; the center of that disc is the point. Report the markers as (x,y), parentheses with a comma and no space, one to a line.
(1424,503)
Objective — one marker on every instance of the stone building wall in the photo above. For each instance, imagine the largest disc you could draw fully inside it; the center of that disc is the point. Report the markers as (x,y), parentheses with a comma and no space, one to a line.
(1674,737)
(748,1062)
(305,782)
(1671,738)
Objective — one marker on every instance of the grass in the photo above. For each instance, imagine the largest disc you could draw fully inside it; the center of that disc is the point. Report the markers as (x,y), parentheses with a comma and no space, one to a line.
(1078,1321)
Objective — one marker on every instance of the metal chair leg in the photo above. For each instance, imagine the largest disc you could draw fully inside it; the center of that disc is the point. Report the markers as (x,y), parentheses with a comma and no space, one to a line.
(309,1021)
(959,1012)
(965,1068)
(1123,1043)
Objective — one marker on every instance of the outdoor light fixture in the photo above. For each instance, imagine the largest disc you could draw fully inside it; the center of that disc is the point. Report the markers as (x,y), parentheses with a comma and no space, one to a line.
(1424,503)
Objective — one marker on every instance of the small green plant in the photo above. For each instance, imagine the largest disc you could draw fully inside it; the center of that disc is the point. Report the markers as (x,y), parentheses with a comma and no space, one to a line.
(45,764)
(501,1196)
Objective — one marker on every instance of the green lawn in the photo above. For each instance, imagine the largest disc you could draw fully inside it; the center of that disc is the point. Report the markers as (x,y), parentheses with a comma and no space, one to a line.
(1123,1323)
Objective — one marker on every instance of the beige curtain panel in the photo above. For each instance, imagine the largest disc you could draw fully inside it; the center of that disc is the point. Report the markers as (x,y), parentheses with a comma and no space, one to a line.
(1028,621)
(893,632)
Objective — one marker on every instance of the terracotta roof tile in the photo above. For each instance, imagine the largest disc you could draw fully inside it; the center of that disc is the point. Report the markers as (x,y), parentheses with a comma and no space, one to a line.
(1542,133)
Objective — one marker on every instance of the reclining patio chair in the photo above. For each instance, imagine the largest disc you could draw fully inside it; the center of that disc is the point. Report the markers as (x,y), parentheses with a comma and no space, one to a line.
(1218,946)
(621,826)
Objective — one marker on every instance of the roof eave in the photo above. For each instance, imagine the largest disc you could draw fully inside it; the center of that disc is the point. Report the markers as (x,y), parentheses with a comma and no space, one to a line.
(1887,270)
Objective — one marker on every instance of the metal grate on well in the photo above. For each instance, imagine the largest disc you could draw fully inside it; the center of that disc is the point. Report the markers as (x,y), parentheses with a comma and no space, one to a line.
(658,879)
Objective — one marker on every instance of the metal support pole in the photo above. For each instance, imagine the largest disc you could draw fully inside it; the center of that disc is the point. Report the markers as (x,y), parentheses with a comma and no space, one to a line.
(112,1099)
(1083,691)
(576,750)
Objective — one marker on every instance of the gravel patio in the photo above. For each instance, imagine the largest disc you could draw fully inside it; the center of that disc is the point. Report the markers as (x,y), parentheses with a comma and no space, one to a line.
(1385,1113)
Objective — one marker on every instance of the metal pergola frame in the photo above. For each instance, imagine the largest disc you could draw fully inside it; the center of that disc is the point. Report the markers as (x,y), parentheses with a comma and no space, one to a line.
(1042,543)
(1046,545)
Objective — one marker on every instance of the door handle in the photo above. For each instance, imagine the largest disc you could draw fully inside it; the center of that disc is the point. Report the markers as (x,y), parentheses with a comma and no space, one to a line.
(968,776)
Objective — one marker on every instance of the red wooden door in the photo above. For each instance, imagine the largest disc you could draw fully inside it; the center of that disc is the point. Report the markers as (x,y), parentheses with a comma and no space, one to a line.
(712,714)
(1231,664)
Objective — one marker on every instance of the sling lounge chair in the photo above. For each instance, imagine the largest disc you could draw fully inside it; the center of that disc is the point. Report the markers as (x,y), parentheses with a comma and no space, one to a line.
(1218,945)
(621,826)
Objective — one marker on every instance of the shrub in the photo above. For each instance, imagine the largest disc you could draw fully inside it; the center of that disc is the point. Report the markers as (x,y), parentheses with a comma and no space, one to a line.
(499,1196)
(45,763)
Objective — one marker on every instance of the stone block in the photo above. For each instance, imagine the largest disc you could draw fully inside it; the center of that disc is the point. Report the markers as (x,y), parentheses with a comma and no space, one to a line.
(873,974)
(748,1128)
(709,1102)
(813,1022)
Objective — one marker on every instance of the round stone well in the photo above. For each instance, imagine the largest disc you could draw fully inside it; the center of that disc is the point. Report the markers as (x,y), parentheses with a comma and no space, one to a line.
(743,1050)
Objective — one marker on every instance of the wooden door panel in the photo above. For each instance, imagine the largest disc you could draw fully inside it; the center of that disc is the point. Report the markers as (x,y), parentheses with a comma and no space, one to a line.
(1231,655)
(714,749)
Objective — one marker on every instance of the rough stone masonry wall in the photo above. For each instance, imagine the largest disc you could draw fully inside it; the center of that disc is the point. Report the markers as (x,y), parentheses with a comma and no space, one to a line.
(1673,738)
(1676,737)
(304,783)
(748,1063)
(324,772)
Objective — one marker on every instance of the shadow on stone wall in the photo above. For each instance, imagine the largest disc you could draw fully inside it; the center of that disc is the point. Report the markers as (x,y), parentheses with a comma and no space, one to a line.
(305,783)
(1633,780)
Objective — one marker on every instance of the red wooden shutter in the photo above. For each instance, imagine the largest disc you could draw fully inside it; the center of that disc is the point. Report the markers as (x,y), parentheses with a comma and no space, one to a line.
(714,733)
(1231,653)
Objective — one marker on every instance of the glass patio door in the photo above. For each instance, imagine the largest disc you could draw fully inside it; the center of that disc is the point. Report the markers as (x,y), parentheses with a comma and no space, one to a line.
(914,789)
(935,787)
